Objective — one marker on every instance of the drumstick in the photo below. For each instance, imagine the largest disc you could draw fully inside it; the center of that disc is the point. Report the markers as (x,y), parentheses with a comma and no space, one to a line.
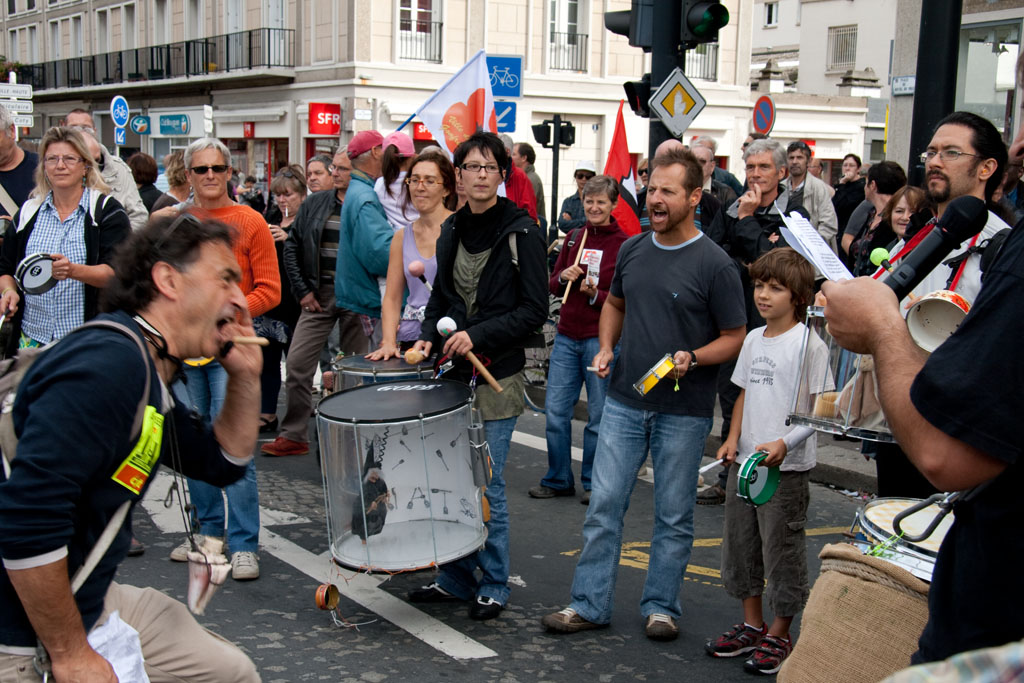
(709,466)
(568,286)
(254,341)
(446,326)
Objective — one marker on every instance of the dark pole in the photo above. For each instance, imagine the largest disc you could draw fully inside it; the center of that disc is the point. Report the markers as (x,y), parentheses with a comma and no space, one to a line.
(666,55)
(935,91)
(556,143)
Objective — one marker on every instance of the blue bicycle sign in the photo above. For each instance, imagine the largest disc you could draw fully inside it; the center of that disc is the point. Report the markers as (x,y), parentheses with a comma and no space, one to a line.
(506,75)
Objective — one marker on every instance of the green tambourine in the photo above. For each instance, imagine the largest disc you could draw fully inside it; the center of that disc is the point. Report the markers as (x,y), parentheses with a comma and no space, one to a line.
(757,483)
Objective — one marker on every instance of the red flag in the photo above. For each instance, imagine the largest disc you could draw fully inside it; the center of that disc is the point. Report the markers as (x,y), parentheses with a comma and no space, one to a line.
(619,167)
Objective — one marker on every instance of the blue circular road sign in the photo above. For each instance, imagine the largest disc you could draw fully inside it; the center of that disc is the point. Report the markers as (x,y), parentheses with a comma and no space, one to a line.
(119,111)
(764,115)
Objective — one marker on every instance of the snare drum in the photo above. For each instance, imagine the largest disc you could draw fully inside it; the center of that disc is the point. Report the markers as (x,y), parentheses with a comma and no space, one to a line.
(876,522)
(398,471)
(756,483)
(35,274)
(355,371)
(852,410)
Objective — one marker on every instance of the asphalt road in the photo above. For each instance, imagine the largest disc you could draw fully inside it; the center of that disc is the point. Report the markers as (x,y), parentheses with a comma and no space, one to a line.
(381,637)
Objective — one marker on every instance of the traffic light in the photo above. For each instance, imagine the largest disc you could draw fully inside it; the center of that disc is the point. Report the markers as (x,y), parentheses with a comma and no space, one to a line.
(636,23)
(638,94)
(568,135)
(701,22)
(542,133)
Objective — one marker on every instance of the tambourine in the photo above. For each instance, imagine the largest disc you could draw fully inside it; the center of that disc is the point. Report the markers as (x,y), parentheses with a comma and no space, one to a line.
(755,482)
(932,318)
(35,274)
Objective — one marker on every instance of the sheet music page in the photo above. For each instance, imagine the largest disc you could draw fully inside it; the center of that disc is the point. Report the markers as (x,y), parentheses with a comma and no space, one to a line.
(802,236)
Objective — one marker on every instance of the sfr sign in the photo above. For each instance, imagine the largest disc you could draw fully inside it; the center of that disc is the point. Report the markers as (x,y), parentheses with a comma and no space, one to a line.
(324,118)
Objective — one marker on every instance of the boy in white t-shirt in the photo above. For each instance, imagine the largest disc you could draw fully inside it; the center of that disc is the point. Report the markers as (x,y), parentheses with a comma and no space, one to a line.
(769,539)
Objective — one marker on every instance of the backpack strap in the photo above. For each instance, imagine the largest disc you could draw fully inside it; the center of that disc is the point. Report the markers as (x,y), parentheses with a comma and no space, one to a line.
(513,246)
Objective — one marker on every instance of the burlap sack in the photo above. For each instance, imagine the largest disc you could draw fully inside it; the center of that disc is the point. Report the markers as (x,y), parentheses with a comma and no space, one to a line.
(859,400)
(861,622)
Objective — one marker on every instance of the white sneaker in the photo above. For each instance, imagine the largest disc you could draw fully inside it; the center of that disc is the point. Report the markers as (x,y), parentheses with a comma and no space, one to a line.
(180,554)
(245,566)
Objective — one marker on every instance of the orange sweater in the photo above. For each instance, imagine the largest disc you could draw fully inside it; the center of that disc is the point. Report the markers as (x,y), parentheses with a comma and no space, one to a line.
(254,250)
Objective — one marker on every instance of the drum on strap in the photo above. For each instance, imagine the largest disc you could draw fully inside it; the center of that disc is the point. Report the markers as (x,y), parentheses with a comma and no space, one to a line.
(756,483)
(855,410)
(893,535)
(355,371)
(403,473)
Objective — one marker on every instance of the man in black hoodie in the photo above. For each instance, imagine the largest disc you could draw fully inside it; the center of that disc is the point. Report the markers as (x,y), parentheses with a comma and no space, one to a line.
(492,280)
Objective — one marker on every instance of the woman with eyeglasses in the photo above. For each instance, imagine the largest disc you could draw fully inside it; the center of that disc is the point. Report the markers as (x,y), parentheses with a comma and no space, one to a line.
(431,189)
(288,188)
(70,218)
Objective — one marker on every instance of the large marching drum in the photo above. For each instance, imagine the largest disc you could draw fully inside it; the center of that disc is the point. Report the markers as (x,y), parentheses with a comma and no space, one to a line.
(403,471)
(354,371)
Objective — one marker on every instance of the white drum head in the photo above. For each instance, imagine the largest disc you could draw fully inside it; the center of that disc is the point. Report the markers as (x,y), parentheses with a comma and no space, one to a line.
(35,274)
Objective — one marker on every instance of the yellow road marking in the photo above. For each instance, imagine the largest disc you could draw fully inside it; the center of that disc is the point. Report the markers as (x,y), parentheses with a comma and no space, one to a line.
(636,554)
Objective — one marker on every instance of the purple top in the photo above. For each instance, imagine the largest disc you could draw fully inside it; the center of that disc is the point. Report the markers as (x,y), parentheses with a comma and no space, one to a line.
(412,313)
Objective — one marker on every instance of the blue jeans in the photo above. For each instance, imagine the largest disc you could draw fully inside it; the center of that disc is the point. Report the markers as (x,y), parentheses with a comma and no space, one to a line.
(567,372)
(459,578)
(206,388)
(676,443)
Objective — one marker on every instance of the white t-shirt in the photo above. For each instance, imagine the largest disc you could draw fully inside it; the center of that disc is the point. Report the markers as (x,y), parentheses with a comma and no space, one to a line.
(768,368)
(400,215)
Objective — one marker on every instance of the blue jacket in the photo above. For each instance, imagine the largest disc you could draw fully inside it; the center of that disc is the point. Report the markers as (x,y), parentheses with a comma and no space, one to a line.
(363,248)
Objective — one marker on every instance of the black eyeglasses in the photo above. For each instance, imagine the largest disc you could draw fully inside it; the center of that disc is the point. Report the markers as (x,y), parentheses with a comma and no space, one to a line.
(203,170)
(584,176)
(183,217)
(643,171)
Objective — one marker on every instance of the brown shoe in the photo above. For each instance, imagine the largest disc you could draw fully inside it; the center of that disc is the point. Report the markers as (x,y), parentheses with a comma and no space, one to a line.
(712,495)
(661,627)
(282,446)
(568,621)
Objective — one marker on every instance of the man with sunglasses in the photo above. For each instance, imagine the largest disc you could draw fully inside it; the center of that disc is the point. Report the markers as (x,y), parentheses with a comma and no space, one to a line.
(492,280)
(208,164)
(310,259)
(175,290)
(572,215)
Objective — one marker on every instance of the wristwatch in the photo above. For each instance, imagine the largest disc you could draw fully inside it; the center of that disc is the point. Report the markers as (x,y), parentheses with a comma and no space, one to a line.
(693,360)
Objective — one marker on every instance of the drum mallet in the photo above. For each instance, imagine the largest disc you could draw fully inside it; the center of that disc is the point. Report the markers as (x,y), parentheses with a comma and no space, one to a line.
(880,258)
(416,269)
(568,285)
(446,326)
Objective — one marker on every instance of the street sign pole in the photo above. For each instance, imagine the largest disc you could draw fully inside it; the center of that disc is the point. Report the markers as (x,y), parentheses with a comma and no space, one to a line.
(556,143)
(666,55)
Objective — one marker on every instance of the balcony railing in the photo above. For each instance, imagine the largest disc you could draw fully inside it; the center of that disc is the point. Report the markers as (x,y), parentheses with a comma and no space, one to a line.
(702,62)
(567,51)
(262,47)
(420,40)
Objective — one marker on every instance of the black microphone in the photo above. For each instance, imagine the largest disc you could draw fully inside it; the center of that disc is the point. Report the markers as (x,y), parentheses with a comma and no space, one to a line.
(963,218)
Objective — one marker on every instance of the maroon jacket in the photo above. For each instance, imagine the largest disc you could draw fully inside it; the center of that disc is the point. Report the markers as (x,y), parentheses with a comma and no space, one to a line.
(579,317)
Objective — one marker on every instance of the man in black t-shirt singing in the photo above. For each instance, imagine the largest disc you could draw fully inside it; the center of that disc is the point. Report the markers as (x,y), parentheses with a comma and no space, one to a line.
(675,294)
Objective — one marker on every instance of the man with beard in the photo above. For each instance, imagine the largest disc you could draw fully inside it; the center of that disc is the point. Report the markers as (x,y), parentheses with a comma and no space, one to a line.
(809,192)
(674,293)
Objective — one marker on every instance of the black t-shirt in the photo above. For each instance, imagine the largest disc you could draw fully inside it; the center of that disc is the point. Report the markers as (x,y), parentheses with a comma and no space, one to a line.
(971,388)
(20,180)
(677,299)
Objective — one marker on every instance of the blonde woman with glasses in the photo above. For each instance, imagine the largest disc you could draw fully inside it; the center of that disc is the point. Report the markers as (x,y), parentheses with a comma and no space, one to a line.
(70,219)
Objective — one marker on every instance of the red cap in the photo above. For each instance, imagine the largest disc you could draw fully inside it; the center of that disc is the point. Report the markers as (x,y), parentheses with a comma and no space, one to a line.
(364,141)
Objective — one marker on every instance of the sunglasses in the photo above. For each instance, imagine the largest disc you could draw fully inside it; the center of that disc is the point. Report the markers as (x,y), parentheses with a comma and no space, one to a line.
(203,170)
(584,176)
(183,218)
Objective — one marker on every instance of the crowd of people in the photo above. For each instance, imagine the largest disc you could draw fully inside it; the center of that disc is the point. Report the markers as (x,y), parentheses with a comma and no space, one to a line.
(710,283)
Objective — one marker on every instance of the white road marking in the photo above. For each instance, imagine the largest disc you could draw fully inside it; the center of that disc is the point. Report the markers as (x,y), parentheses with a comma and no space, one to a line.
(362,588)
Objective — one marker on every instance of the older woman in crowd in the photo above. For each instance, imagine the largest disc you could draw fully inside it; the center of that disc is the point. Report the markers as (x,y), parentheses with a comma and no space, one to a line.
(178,185)
(75,225)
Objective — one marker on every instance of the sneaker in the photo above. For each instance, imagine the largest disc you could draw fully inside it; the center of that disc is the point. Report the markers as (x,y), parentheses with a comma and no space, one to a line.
(548,492)
(180,554)
(661,627)
(485,608)
(712,495)
(739,640)
(768,656)
(245,566)
(136,548)
(282,446)
(585,498)
(431,593)
(568,621)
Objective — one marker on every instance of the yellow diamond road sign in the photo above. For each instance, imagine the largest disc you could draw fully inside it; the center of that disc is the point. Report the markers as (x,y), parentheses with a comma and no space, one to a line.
(677,102)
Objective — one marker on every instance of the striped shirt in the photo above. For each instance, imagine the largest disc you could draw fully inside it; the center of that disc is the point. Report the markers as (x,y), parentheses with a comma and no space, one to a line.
(51,315)
(329,245)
